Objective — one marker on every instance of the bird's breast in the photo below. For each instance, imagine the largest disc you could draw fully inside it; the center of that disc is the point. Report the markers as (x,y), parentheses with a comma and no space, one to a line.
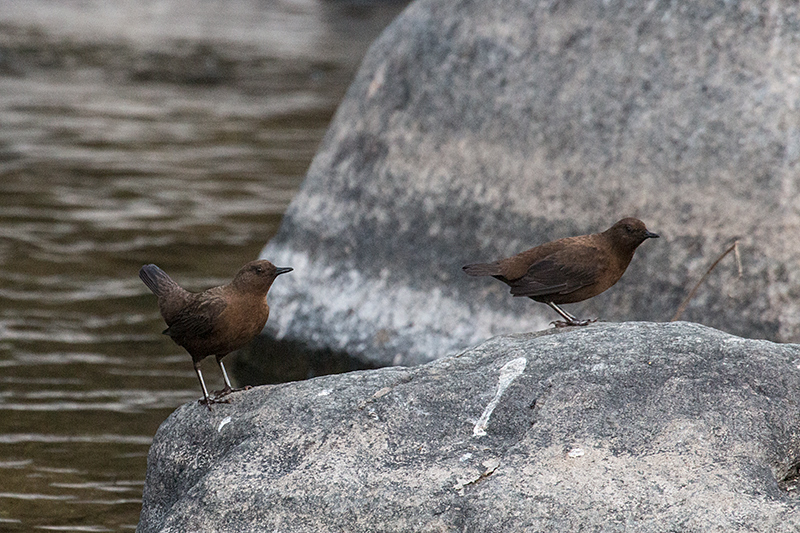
(246,314)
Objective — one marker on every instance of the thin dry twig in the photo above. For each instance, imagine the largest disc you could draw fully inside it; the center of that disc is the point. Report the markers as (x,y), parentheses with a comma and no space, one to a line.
(732,248)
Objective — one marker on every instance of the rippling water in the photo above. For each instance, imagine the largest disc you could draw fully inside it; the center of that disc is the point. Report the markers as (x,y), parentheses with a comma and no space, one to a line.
(119,148)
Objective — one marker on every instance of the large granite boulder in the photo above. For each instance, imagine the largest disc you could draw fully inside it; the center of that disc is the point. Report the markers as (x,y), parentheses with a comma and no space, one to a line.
(476,129)
(634,427)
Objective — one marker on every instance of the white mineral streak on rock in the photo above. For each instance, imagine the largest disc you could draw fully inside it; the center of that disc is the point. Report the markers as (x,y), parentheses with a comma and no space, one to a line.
(508,374)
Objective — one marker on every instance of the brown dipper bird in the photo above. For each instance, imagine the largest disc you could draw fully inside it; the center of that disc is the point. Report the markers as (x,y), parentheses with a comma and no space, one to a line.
(571,269)
(216,321)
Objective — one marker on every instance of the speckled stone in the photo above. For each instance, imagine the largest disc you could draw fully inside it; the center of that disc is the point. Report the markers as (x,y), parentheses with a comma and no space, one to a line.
(635,427)
(477,129)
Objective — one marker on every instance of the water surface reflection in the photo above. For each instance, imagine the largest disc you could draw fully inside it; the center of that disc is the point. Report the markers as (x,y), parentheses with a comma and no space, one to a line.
(136,132)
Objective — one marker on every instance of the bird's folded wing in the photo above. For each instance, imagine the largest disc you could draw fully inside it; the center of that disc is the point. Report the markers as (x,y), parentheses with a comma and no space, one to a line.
(197,319)
(563,272)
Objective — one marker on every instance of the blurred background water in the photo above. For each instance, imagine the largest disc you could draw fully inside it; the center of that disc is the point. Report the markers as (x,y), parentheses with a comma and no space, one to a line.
(135,131)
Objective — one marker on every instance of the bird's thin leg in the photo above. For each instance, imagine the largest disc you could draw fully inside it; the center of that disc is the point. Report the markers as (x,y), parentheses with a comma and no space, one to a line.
(569,319)
(228,387)
(207,401)
(568,316)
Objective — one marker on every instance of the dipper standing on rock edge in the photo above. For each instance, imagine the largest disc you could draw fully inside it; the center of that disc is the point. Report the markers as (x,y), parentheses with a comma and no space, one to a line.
(216,321)
(569,270)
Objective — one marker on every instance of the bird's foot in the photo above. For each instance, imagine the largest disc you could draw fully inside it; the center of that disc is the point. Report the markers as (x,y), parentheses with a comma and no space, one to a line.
(208,401)
(576,322)
(228,390)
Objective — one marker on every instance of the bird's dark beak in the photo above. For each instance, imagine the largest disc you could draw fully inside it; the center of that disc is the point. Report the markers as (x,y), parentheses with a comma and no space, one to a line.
(284,270)
(651,235)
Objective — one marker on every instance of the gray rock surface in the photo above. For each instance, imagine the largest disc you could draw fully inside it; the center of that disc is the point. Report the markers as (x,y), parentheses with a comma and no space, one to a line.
(635,427)
(475,130)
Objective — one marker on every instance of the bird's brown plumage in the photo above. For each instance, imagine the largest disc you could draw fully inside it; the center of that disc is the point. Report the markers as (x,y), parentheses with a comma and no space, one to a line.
(216,321)
(571,269)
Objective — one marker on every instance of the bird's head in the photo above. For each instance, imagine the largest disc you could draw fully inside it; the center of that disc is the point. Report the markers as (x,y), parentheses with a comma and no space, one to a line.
(258,276)
(629,233)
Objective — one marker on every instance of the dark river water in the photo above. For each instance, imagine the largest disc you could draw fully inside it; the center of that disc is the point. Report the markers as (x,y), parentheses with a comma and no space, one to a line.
(132,131)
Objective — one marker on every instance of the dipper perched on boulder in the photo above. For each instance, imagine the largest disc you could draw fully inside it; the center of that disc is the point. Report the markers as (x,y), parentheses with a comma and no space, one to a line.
(571,269)
(216,321)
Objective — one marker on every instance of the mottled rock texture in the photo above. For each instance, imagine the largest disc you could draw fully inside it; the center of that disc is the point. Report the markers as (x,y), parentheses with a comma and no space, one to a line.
(476,129)
(634,427)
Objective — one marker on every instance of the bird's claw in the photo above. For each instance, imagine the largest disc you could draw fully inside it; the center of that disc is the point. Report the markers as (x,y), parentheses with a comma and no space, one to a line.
(208,401)
(228,390)
(576,322)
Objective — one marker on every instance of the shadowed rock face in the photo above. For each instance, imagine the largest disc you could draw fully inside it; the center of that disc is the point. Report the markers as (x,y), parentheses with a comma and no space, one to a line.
(635,427)
(476,130)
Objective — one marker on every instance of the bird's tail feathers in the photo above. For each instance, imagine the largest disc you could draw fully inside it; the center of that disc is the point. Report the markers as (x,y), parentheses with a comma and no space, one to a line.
(482,269)
(156,280)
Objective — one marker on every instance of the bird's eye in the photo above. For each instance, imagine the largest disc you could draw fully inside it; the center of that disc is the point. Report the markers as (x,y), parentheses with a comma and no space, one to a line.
(628,228)
(259,270)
